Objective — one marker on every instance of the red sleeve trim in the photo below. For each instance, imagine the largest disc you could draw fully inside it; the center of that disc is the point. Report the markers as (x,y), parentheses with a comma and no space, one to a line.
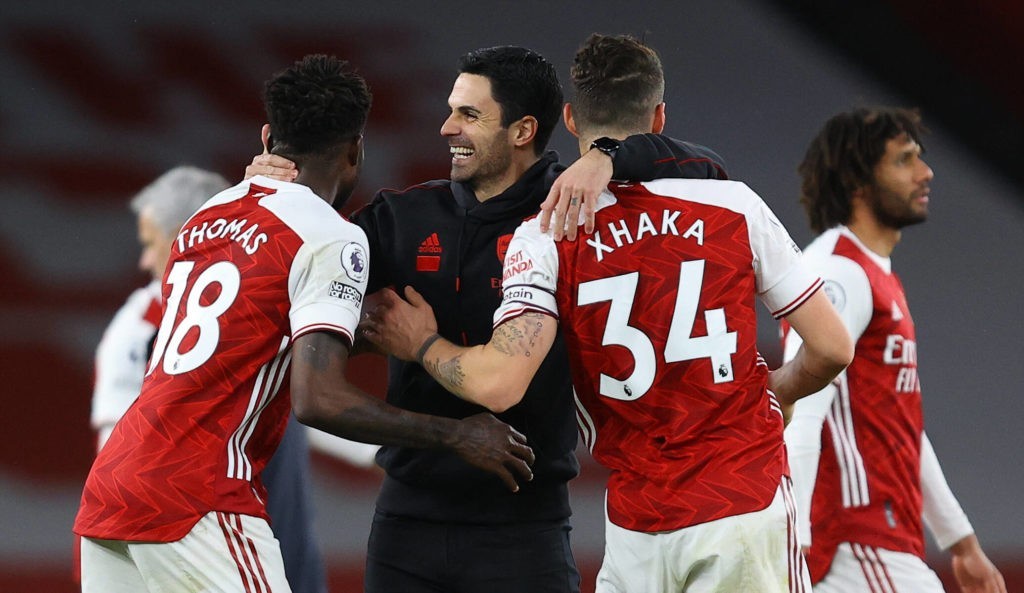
(795,303)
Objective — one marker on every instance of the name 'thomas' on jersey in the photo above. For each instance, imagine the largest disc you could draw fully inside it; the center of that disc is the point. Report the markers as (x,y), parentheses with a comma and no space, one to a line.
(658,310)
(256,267)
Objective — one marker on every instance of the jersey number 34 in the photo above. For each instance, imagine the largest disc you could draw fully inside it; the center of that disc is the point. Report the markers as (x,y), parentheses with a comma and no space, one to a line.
(718,345)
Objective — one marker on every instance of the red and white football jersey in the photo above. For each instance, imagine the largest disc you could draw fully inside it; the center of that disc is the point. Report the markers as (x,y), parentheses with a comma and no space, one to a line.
(868,484)
(658,311)
(122,356)
(259,265)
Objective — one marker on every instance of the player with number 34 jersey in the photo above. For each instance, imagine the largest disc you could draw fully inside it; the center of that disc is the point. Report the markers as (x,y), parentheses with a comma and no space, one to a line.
(259,265)
(659,317)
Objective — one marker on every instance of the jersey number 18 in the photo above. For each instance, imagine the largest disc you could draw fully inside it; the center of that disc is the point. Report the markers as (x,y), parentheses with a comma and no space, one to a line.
(199,317)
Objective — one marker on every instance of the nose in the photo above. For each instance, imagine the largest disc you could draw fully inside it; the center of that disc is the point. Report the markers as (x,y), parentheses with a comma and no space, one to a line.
(926,174)
(448,128)
(146,261)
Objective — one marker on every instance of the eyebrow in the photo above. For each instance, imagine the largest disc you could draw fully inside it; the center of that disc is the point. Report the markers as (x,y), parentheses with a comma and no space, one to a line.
(468,110)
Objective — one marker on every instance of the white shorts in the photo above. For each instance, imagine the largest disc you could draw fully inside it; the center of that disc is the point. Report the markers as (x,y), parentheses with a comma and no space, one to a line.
(857,568)
(223,553)
(750,552)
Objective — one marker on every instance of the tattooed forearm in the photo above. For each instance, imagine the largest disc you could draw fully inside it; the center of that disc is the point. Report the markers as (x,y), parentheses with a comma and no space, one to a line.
(449,372)
(519,336)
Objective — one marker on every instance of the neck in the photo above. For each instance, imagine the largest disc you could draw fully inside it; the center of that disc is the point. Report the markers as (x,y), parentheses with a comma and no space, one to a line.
(875,236)
(323,184)
(521,162)
(588,138)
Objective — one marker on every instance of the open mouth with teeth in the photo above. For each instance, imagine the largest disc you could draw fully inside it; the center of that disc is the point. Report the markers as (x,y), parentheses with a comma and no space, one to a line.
(460,152)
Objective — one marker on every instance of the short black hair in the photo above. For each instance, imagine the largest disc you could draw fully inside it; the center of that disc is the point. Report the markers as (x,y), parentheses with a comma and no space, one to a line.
(316,105)
(617,82)
(523,83)
(843,156)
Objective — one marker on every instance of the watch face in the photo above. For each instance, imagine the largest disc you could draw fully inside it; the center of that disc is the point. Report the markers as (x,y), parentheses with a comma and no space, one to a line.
(606,145)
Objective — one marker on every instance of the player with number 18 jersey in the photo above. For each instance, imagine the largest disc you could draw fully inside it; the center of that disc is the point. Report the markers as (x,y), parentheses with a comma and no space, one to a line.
(658,310)
(259,265)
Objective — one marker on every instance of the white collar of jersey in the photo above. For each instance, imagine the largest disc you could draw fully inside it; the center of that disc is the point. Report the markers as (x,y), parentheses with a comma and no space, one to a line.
(883,262)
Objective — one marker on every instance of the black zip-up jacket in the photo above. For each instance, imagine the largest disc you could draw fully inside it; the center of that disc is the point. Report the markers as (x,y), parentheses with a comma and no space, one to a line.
(438,238)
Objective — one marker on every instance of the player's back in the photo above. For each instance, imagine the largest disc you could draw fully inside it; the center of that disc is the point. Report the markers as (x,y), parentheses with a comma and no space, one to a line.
(658,307)
(215,401)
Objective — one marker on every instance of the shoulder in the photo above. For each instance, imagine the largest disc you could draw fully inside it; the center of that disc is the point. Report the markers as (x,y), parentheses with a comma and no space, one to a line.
(844,278)
(436,186)
(731,195)
(309,216)
(387,200)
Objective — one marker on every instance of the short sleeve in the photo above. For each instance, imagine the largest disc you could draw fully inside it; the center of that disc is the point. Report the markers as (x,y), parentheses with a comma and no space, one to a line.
(328,284)
(530,274)
(783,282)
(846,285)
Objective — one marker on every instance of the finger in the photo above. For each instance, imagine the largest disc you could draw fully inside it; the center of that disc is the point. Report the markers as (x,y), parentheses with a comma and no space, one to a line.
(415,298)
(588,215)
(525,453)
(389,297)
(572,217)
(520,470)
(518,436)
(547,206)
(559,219)
(509,480)
(265,137)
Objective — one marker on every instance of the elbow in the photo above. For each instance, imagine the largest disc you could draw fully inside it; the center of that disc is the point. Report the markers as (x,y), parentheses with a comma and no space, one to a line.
(843,351)
(838,354)
(305,409)
(499,397)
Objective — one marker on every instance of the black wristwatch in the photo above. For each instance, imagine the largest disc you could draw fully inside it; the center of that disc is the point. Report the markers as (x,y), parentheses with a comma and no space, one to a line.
(607,145)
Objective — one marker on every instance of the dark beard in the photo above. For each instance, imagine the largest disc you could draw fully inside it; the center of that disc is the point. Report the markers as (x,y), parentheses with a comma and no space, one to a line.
(893,213)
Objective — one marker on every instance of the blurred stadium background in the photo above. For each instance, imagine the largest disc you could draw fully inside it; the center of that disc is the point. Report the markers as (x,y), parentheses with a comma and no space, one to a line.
(98,98)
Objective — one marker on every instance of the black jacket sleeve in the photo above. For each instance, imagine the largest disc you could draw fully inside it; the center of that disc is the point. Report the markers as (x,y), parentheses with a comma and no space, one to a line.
(643,157)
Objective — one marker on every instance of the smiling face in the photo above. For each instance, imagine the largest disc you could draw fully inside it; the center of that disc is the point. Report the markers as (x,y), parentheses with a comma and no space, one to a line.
(481,148)
(899,195)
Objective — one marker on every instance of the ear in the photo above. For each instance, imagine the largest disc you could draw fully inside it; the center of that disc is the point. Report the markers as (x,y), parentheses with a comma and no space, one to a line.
(570,123)
(265,137)
(524,131)
(658,123)
(355,152)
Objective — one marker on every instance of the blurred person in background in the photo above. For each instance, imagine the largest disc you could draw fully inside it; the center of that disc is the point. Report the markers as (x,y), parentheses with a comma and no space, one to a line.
(863,468)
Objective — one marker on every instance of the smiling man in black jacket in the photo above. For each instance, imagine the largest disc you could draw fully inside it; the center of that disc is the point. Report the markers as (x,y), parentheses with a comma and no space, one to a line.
(440,524)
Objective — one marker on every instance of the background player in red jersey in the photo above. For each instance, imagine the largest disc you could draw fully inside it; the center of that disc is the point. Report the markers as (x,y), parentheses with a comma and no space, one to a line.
(265,276)
(657,309)
(863,468)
